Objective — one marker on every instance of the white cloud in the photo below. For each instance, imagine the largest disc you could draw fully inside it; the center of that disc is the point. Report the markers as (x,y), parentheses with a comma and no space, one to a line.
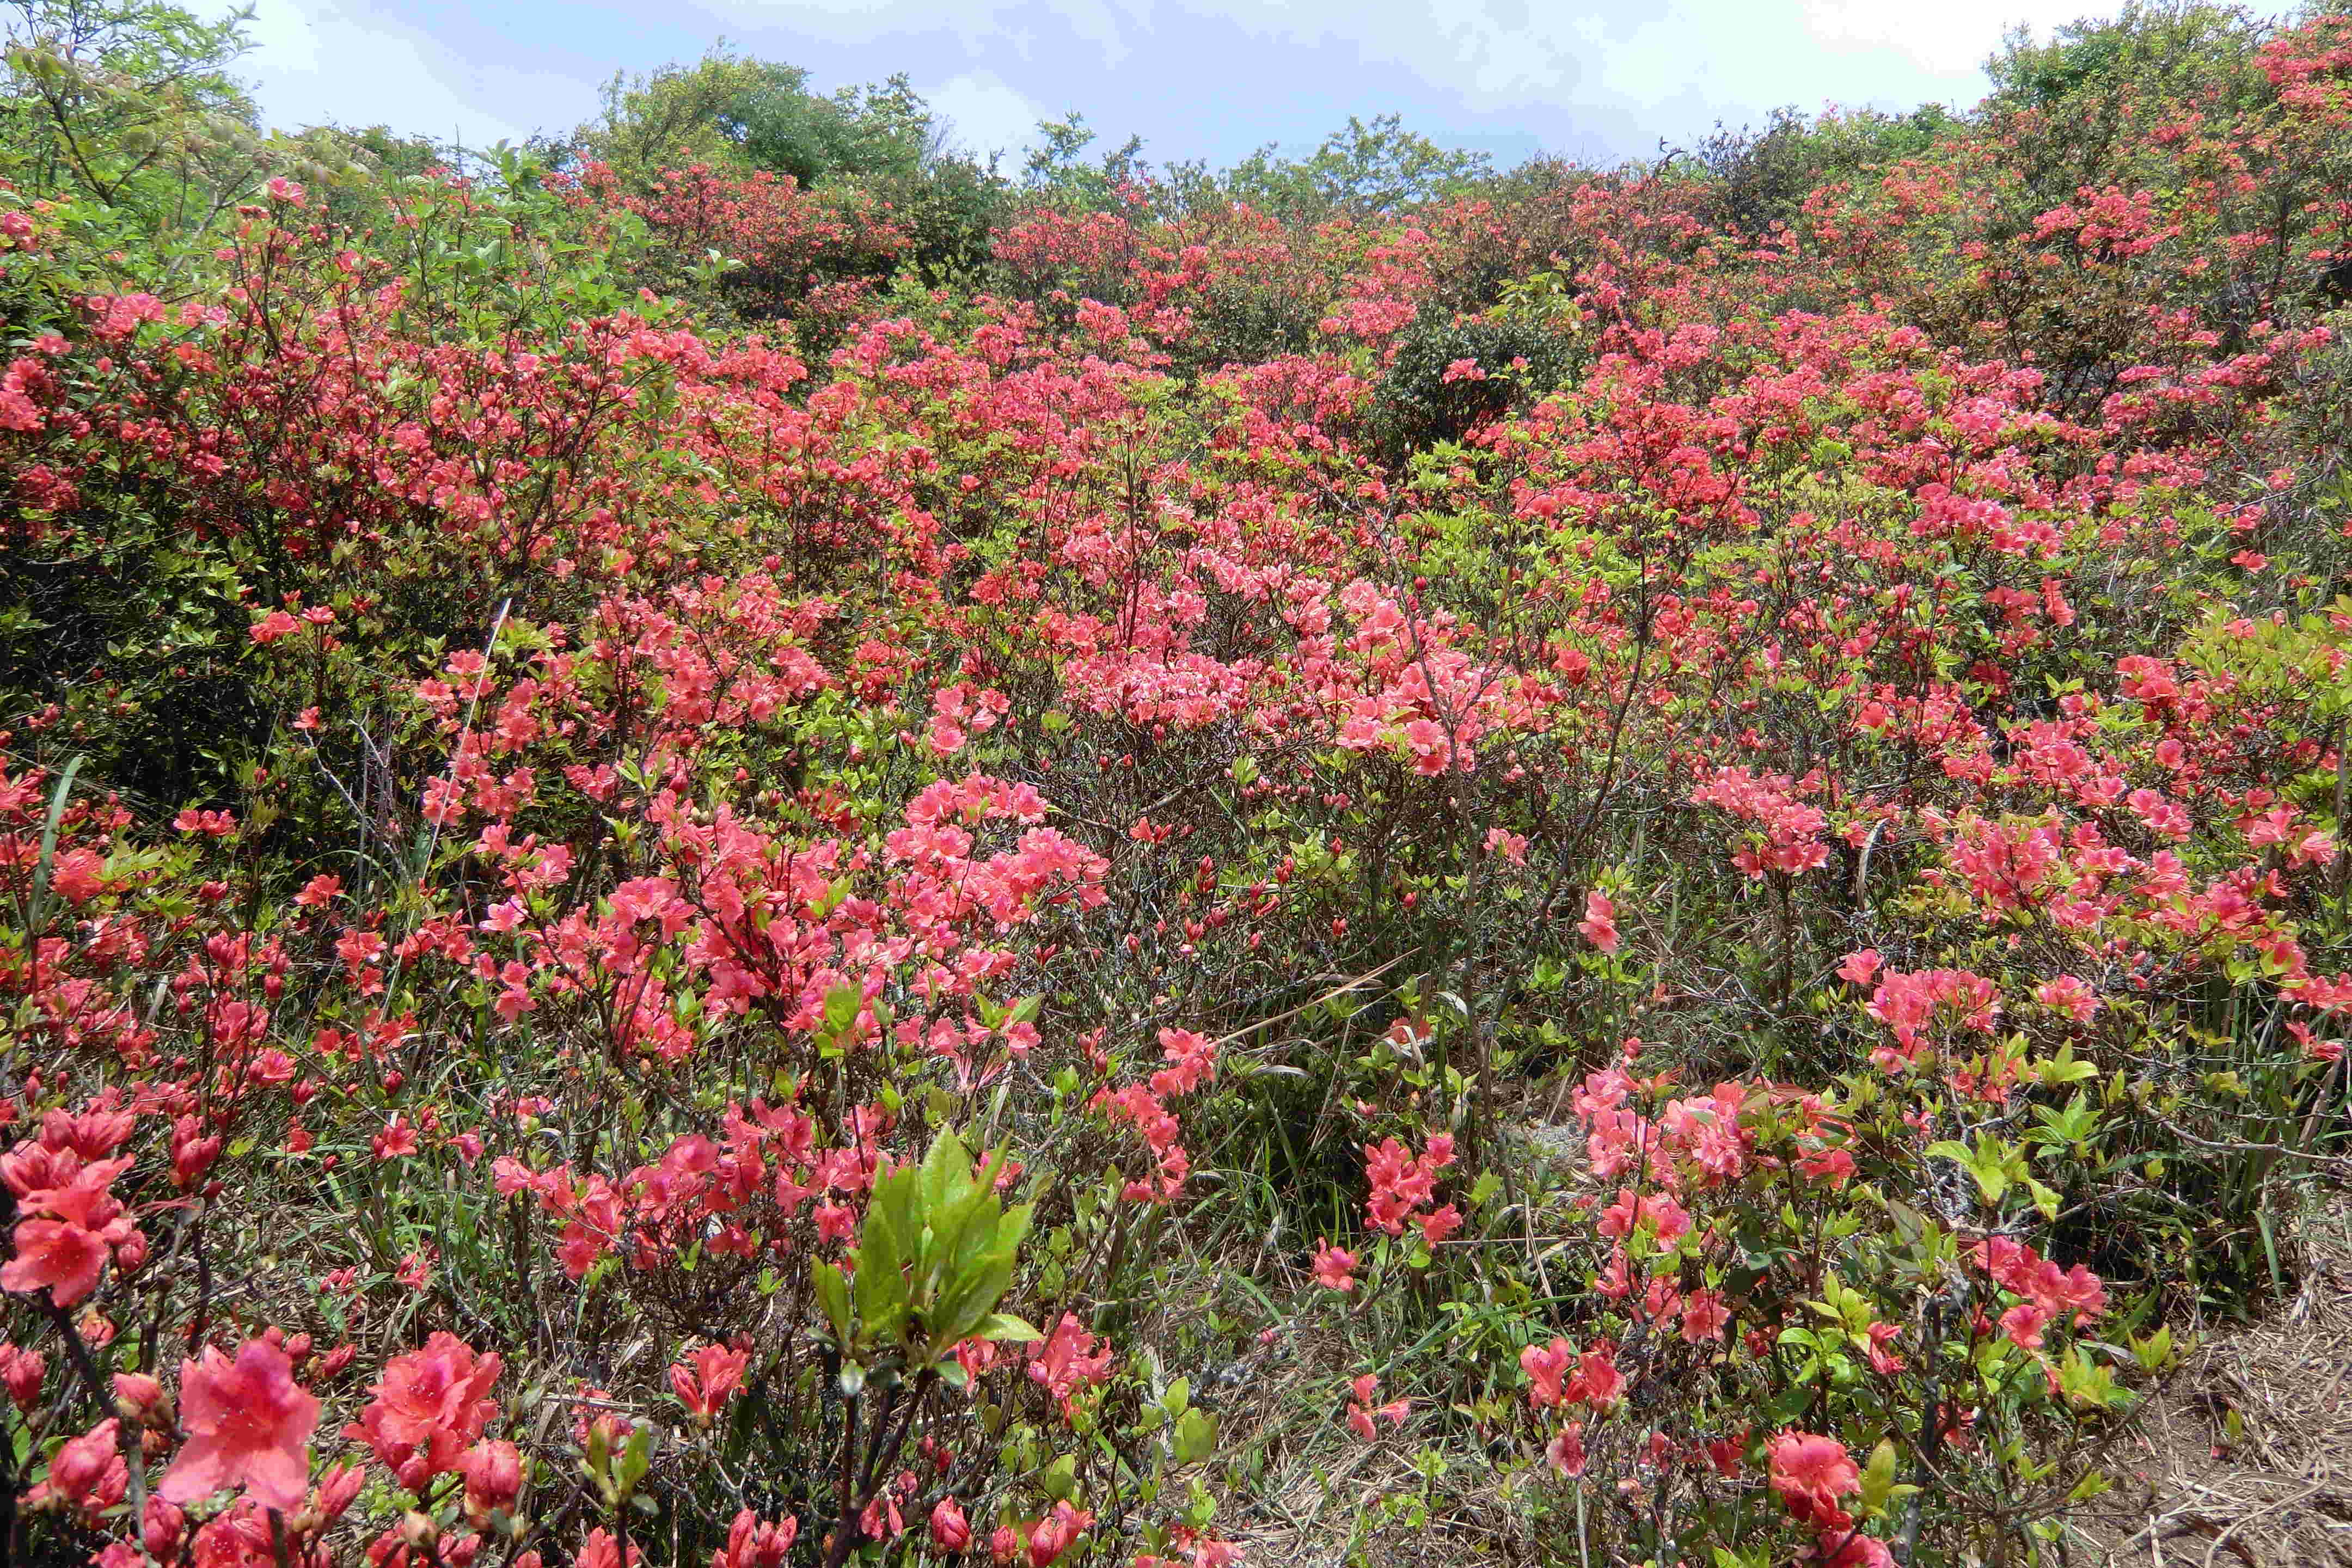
(283,37)
(316,61)
(1950,38)
(1491,54)
(1622,71)
(1495,55)
(986,114)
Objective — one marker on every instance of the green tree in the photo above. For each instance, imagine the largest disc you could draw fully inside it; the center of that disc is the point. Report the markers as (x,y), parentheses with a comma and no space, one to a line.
(2075,109)
(1762,178)
(1365,169)
(1060,173)
(680,114)
(744,114)
(128,104)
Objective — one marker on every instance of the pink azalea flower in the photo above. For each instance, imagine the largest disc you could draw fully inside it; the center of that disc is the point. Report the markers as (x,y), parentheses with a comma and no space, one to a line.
(1811,1473)
(1599,925)
(248,1425)
(1335,1267)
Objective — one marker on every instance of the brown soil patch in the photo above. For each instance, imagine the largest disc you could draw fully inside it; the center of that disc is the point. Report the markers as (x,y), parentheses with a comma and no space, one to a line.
(2244,1454)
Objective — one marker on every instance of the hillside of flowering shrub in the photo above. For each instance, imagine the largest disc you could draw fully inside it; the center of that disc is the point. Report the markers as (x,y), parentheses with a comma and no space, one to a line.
(730,842)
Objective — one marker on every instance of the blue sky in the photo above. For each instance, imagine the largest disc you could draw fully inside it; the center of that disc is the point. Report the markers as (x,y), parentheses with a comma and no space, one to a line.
(1591,79)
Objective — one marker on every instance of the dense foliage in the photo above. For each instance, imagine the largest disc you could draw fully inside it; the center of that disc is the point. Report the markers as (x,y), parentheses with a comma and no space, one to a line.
(741,840)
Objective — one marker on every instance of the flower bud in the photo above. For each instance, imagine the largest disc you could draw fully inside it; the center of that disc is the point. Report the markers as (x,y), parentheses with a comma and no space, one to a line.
(140,1398)
(493,1473)
(950,1531)
(163,1529)
(88,1471)
(21,1371)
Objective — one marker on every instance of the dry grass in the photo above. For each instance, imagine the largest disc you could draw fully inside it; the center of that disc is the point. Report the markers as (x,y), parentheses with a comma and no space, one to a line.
(2245,1454)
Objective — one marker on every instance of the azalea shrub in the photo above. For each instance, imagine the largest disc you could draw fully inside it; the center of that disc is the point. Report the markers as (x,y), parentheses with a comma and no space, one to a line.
(1659,848)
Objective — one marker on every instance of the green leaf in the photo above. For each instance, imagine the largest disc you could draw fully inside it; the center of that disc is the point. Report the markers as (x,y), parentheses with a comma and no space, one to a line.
(880,1287)
(40,912)
(1196,1438)
(2087,1383)
(2064,1068)
(1005,1327)
(1878,1477)
(832,1294)
(841,1006)
(947,1175)
(636,1459)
